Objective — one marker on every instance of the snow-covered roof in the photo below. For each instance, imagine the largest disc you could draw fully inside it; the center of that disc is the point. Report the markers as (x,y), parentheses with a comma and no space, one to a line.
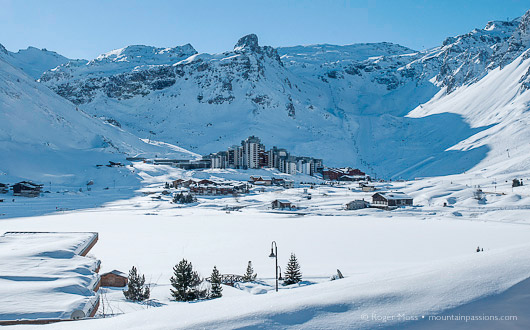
(357,201)
(115,272)
(44,276)
(394,195)
(284,201)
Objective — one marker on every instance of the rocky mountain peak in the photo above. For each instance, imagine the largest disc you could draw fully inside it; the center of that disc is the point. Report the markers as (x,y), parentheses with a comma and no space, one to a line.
(524,25)
(3,50)
(247,43)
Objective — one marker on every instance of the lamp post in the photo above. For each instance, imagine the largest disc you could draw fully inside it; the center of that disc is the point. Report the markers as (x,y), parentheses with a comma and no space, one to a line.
(274,254)
(280,276)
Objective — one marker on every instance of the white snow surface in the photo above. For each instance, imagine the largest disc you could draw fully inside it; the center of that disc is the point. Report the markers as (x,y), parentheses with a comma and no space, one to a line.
(42,275)
(416,261)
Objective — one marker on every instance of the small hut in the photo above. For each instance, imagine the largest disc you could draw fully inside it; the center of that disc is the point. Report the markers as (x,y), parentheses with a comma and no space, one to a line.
(282,204)
(114,278)
(357,205)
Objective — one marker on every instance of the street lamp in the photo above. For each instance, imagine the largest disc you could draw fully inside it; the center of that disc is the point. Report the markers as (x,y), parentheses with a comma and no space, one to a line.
(280,277)
(274,254)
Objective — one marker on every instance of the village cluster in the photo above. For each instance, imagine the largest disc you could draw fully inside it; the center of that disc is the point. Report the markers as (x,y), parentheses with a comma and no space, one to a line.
(186,190)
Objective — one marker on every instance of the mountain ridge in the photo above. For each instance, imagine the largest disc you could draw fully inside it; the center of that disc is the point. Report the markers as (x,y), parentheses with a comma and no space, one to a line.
(334,102)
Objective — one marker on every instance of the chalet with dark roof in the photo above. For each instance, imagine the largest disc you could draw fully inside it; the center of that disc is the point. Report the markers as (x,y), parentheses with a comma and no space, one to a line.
(391,200)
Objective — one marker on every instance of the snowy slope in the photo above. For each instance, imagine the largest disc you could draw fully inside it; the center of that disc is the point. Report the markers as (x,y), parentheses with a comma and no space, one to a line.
(44,137)
(499,101)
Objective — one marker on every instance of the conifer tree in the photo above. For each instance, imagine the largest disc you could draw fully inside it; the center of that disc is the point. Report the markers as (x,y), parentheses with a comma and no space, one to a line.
(215,280)
(186,282)
(293,274)
(189,199)
(136,289)
(249,275)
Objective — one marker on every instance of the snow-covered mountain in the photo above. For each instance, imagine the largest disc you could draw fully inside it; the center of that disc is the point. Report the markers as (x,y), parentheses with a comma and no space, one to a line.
(350,105)
(33,61)
(44,137)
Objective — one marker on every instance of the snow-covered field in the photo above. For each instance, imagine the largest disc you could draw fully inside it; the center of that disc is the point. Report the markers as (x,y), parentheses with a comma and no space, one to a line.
(398,265)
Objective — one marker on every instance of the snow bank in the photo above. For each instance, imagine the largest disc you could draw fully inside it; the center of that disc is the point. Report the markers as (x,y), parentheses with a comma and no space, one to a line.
(44,276)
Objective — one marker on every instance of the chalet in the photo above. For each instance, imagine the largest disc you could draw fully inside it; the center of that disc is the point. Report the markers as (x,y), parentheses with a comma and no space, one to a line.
(352,178)
(183,183)
(240,187)
(347,174)
(114,278)
(27,189)
(391,200)
(213,190)
(261,180)
(356,205)
(283,182)
(288,184)
(206,182)
(282,204)
(177,183)
(4,188)
(367,188)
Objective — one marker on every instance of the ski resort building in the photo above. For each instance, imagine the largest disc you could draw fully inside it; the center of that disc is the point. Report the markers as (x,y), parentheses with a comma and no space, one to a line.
(251,154)
(391,200)
(4,188)
(50,276)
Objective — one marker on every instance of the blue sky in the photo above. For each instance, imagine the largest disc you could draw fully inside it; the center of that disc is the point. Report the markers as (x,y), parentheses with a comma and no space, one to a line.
(87,28)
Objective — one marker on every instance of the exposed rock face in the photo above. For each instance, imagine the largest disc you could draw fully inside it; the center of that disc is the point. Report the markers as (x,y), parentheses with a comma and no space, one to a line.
(247,43)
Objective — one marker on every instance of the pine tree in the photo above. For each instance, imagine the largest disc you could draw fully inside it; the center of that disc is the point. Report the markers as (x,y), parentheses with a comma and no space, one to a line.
(136,290)
(189,199)
(215,280)
(186,282)
(292,273)
(249,275)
